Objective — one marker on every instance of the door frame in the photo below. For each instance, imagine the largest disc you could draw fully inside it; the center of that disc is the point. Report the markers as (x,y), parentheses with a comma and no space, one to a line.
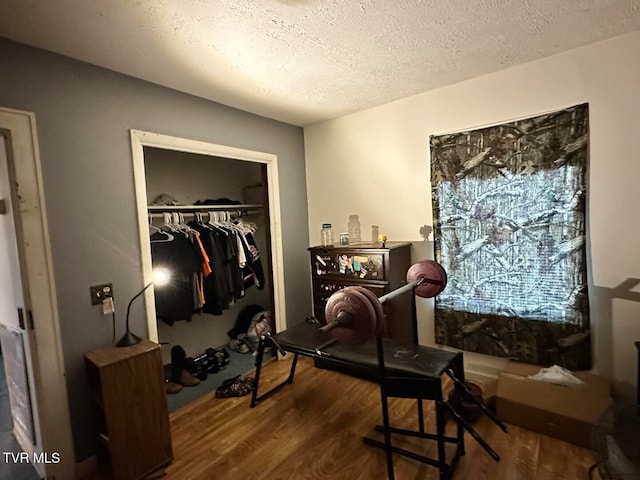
(141,139)
(52,422)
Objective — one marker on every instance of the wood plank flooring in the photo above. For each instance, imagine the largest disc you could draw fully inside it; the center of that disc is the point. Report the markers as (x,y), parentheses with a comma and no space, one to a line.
(313,430)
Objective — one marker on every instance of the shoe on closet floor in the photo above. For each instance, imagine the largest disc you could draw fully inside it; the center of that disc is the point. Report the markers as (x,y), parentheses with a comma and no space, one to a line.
(245,339)
(238,388)
(218,356)
(171,388)
(186,379)
(251,382)
(212,365)
(196,369)
(238,345)
(222,357)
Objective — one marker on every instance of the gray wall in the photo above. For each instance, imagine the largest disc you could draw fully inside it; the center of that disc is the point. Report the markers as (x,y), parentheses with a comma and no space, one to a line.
(83,116)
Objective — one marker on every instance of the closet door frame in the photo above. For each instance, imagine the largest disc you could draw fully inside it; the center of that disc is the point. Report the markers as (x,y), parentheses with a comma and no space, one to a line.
(141,139)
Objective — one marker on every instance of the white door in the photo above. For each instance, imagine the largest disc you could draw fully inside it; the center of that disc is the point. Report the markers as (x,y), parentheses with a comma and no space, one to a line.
(14,334)
(29,327)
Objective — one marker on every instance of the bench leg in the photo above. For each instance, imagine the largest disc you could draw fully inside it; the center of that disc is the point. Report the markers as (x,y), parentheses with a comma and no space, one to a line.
(255,398)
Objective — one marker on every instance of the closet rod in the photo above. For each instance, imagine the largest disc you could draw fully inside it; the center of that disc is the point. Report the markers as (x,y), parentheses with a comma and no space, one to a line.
(203,208)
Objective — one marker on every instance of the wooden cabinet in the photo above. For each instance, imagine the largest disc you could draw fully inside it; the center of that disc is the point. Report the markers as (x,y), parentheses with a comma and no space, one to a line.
(127,388)
(379,269)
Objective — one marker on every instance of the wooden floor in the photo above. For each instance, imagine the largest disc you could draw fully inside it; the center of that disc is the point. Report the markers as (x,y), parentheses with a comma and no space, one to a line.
(313,430)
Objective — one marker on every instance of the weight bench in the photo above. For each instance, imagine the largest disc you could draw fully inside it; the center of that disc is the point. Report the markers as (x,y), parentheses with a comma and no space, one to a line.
(403,371)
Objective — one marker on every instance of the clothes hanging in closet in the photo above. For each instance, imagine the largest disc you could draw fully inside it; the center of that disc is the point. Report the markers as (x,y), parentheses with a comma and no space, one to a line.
(212,264)
(178,255)
(253,272)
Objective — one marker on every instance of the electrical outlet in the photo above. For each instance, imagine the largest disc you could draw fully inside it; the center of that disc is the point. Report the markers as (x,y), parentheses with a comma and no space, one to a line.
(100,292)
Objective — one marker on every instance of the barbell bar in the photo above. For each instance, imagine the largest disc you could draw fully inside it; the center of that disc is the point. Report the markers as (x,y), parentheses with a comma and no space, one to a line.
(355,315)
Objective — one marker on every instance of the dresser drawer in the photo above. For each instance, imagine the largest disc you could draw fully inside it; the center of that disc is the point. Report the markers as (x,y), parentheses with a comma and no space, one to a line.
(351,264)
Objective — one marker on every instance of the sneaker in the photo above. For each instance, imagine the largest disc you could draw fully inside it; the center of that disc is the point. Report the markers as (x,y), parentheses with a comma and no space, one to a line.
(196,369)
(222,357)
(212,365)
(238,346)
(245,339)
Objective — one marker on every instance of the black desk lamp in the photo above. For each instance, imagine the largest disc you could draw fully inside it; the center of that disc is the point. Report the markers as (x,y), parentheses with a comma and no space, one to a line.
(160,277)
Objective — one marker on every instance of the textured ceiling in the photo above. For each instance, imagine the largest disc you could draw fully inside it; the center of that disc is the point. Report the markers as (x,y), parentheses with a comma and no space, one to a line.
(303,61)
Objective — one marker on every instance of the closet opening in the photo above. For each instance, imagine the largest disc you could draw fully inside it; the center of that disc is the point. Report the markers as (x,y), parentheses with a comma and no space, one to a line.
(228,198)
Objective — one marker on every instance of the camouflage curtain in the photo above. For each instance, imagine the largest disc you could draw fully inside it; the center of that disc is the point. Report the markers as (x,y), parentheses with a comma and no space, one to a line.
(509,225)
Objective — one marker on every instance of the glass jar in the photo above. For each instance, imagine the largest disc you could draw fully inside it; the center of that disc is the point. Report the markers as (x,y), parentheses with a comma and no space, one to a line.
(326,235)
(354,229)
(375,231)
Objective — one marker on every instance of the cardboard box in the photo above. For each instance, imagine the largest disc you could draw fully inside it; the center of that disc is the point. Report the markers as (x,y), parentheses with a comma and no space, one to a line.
(558,411)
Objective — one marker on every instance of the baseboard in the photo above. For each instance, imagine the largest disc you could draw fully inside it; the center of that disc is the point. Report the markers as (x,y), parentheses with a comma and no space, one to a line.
(483,373)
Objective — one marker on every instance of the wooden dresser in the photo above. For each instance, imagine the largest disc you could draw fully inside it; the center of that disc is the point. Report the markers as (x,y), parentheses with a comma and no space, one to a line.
(379,269)
(128,393)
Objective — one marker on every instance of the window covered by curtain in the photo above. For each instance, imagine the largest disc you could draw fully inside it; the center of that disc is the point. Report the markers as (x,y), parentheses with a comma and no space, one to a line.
(509,224)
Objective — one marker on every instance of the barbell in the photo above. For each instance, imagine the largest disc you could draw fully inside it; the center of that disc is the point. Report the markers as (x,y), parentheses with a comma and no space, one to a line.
(355,315)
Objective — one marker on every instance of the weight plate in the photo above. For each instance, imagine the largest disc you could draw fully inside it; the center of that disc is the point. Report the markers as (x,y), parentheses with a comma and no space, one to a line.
(377,306)
(362,325)
(433,273)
